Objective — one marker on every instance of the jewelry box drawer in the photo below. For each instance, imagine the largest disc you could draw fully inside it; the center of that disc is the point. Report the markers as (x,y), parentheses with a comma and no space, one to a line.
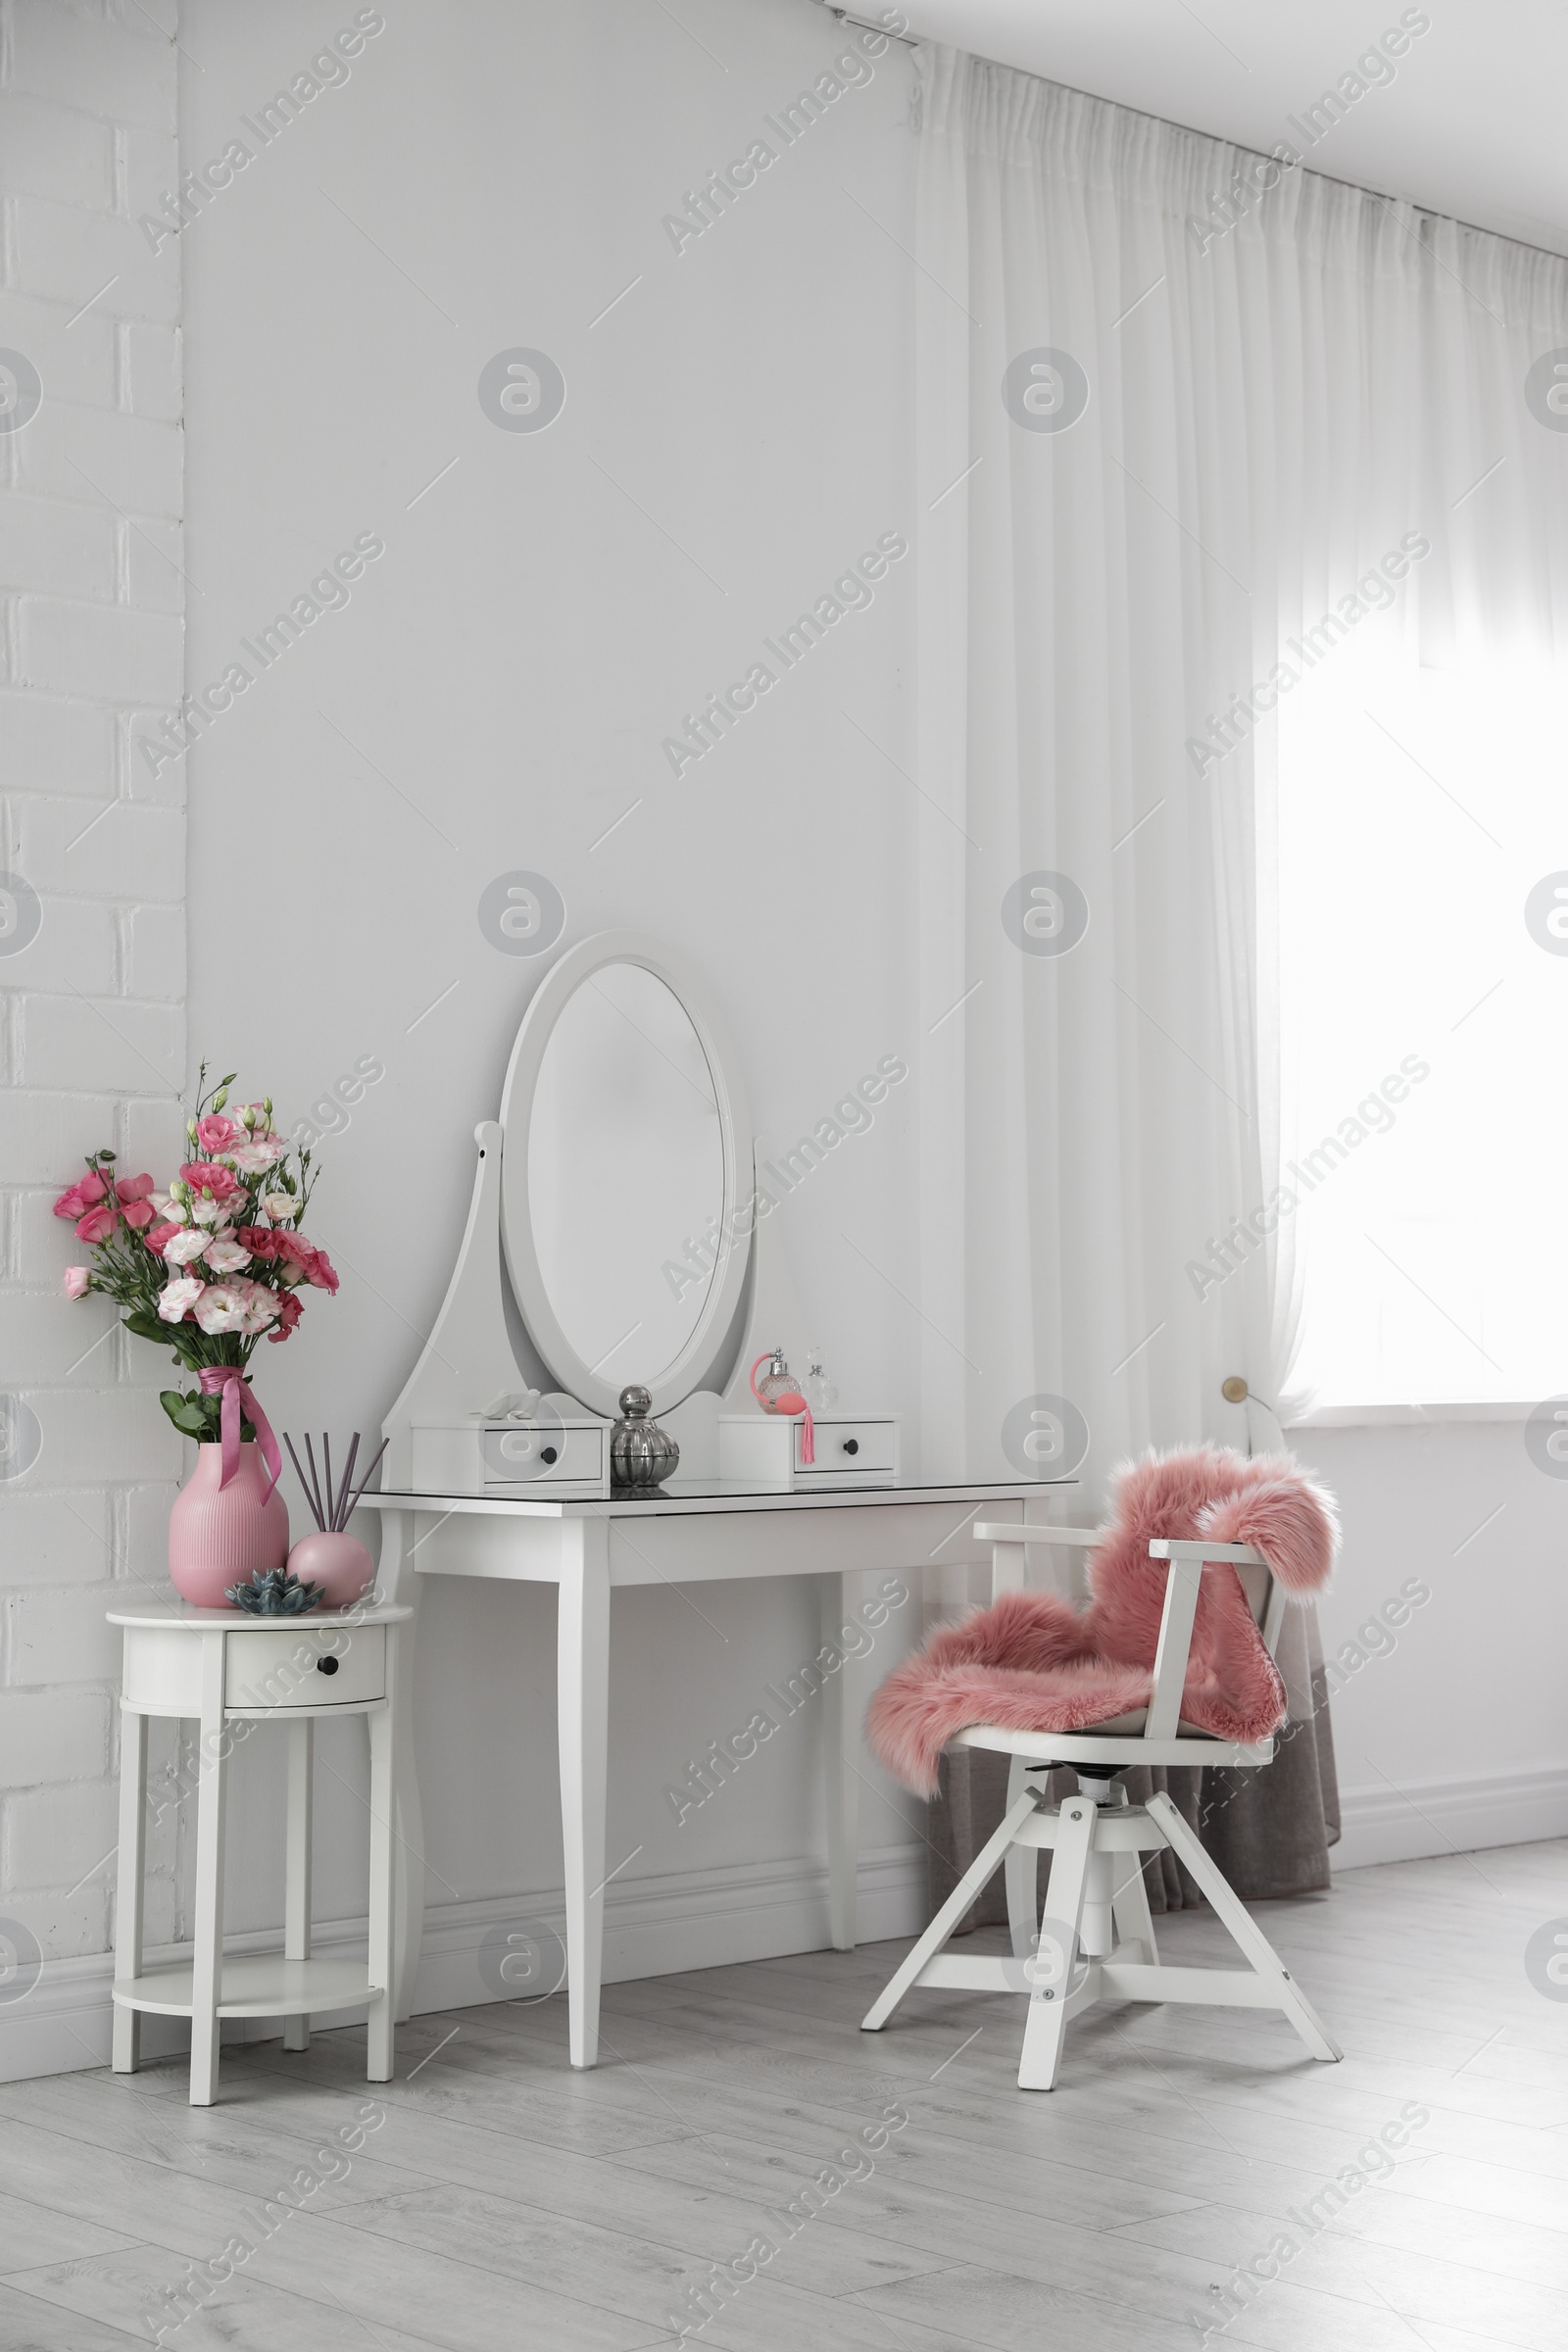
(569,1453)
(494,1457)
(847,1449)
(305,1666)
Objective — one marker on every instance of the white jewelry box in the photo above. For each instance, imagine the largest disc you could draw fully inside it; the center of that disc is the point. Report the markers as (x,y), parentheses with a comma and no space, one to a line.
(551,1454)
(766,1451)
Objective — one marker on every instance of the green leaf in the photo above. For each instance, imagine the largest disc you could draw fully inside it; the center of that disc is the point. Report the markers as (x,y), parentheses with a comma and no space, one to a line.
(186,1412)
(149,1327)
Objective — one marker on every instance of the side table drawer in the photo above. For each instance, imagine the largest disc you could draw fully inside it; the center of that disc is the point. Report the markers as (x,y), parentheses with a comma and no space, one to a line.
(301,1666)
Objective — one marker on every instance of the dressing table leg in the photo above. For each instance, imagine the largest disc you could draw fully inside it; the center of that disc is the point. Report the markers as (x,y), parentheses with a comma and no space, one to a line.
(582,1707)
(841,1739)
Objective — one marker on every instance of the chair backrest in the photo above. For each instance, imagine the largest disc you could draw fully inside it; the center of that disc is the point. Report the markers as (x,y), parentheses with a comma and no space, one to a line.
(1188,1561)
(1265,1596)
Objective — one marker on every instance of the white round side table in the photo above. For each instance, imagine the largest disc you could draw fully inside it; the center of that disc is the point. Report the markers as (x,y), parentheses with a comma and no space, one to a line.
(224,1668)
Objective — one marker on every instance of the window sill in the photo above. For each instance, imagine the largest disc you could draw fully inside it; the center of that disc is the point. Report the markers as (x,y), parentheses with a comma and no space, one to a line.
(1406,1416)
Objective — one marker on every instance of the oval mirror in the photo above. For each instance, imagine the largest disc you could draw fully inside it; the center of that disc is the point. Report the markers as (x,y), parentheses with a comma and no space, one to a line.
(620,1175)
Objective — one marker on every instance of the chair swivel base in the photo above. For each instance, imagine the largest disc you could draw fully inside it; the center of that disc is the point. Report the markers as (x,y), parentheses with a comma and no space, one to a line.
(1097,1922)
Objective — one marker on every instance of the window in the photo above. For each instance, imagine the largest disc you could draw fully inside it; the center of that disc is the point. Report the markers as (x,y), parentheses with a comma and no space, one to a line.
(1424,985)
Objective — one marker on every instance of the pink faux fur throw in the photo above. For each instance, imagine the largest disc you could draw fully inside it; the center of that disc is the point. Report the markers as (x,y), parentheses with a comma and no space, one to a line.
(1033,1663)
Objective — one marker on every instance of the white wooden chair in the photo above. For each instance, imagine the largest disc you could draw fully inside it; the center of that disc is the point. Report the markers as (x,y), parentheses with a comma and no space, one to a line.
(1096,1940)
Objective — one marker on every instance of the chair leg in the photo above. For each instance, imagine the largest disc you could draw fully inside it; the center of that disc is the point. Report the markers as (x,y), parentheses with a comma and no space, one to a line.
(1229,1908)
(1129,1905)
(952,1911)
(1021,1874)
(1064,1905)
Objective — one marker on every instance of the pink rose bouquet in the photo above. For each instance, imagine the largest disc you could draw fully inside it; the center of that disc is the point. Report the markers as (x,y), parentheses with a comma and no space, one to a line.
(215,1263)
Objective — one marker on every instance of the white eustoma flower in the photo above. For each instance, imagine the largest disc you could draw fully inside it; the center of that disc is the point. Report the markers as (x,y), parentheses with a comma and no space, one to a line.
(220,1307)
(261,1306)
(254,1160)
(227,1258)
(176,1298)
(182,1248)
(282,1207)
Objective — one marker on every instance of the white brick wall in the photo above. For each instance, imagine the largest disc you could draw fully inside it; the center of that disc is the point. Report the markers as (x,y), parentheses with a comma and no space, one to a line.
(92,1027)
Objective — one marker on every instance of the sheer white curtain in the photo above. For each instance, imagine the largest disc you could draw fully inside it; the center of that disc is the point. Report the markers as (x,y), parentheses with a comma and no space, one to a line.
(1151,455)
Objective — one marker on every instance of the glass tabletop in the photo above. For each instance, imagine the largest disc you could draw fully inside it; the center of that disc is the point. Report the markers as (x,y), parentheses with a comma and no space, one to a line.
(710,1493)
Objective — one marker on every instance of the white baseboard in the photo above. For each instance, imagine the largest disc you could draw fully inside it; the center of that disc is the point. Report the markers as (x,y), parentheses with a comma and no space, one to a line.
(653,1926)
(1456,1816)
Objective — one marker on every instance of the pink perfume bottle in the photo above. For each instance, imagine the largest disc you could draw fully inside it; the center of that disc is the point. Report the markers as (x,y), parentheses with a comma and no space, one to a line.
(779,1392)
(776,1382)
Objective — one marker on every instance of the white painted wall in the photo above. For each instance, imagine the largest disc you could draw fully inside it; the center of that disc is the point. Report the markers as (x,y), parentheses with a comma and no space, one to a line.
(92,1031)
(1450,1732)
(495,696)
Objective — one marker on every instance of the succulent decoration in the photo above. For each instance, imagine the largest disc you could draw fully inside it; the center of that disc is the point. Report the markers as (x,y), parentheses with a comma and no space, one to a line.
(274,1592)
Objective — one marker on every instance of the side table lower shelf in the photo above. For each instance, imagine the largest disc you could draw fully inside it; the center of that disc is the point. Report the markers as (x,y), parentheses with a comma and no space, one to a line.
(254,1984)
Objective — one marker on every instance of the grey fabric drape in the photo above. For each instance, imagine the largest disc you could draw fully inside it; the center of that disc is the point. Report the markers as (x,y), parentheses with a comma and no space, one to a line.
(1269,1830)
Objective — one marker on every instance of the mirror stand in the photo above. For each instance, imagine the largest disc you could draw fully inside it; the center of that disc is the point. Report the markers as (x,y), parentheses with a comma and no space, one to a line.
(470,1361)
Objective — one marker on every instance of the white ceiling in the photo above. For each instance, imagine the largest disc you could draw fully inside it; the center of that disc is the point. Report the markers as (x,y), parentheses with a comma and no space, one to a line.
(1471,124)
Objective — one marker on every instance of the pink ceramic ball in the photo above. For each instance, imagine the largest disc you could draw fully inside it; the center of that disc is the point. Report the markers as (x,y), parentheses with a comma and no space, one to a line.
(338,1563)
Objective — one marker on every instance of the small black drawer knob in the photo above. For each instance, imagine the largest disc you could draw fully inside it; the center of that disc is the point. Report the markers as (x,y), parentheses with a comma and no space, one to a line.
(549,1453)
(326,1665)
(852,1445)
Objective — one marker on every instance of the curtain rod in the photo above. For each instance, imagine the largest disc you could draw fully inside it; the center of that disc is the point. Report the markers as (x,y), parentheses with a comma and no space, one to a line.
(1218,138)
(911,40)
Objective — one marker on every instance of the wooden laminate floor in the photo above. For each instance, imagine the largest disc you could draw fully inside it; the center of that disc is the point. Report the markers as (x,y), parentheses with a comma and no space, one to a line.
(504,2201)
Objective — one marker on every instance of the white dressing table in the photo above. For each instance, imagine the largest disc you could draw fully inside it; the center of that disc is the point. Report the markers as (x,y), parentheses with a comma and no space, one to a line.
(586,1548)
(623,1229)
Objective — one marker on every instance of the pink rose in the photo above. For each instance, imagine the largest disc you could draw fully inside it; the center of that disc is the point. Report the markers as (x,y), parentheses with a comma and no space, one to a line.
(77,1282)
(289,1311)
(97,1224)
(176,1298)
(321,1271)
(134,1188)
(211,1177)
(220,1307)
(138,1213)
(161,1233)
(215,1133)
(81,1198)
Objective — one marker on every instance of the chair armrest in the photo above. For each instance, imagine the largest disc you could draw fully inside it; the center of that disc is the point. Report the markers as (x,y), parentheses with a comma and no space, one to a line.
(1012,1531)
(1195,1548)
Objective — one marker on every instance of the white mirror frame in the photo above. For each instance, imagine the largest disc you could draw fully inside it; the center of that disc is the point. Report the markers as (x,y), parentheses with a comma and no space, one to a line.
(696,1363)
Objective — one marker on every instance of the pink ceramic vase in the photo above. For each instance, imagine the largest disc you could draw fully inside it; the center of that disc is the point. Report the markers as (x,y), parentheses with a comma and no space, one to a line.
(219,1535)
(339,1564)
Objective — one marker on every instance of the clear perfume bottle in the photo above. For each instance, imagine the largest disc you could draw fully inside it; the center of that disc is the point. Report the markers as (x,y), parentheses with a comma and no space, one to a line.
(821,1393)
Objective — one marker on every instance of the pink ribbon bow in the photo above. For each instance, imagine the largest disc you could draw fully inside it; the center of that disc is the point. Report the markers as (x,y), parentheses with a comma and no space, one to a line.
(230,1382)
